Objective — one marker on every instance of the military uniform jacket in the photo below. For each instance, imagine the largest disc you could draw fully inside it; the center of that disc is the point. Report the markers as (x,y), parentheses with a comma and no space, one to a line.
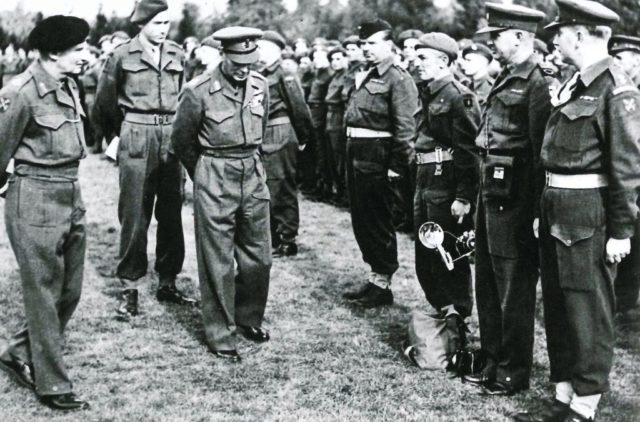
(387,100)
(482,88)
(287,100)
(349,83)
(212,116)
(335,101)
(449,120)
(317,94)
(40,122)
(132,82)
(598,131)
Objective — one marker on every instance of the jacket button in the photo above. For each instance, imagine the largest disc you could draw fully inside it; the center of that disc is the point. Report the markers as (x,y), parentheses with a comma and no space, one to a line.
(568,242)
(501,208)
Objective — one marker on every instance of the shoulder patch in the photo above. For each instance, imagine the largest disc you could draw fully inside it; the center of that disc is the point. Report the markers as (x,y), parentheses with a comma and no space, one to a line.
(467,100)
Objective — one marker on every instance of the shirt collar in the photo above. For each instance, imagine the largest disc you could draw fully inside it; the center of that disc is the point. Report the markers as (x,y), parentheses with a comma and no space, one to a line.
(45,83)
(384,65)
(590,73)
(524,69)
(438,84)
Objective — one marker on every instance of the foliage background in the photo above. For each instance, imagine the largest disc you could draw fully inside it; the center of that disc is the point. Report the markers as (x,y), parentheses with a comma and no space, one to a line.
(331,19)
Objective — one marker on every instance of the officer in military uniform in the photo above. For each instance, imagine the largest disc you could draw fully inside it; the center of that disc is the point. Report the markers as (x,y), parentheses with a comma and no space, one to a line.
(446,183)
(137,97)
(380,131)
(588,207)
(509,140)
(477,58)
(626,52)
(289,126)
(408,40)
(41,129)
(357,64)
(219,127)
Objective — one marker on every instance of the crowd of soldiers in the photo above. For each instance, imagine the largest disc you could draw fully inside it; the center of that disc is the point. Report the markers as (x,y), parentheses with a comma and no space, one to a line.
(536,150)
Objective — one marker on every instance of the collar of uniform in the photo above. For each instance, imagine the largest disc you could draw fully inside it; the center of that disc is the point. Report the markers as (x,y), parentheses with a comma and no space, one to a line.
(271,69)
(438,84)
(138,46)
(384,65)
(45,83)
(220,83)
(524,69)
(588,75)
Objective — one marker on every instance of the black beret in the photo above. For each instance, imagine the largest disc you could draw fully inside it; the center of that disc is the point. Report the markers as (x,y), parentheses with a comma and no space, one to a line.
(336,50)
(275,38)
(351,39)
(58,33)
(407,34)
(367,29)
(145,10)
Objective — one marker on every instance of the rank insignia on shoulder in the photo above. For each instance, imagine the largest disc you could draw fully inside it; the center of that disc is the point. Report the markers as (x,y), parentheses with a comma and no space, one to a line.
(468,102)
(629,104)
(4,104)
(377,81)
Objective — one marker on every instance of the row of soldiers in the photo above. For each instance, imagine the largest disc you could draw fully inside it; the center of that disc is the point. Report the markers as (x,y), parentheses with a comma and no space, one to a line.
(561,168)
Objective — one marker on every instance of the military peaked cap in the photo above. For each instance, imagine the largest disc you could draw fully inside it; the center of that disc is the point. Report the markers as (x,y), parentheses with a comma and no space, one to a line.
(619,43)
(409,33)
(477,48)
(239,43)
(582,12)
(503,16)
(351,39)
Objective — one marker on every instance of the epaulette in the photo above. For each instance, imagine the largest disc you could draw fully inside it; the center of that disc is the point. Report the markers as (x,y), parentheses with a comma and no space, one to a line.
(122,46)
(257,75)
(624,88)
(20,80)
(173,44)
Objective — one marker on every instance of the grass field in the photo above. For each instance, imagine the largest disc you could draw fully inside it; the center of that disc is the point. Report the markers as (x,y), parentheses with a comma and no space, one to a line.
(327,361)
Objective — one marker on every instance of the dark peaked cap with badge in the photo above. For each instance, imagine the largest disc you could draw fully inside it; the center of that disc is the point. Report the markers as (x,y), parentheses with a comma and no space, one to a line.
(477,48)
(502,16)
(58,33)
(620,43)
(408,34)
(145,10)
(367,29)
(239,43)
(439,42)
(582,12)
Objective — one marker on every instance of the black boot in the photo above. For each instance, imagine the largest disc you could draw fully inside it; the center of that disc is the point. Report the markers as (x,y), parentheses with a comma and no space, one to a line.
(128,306)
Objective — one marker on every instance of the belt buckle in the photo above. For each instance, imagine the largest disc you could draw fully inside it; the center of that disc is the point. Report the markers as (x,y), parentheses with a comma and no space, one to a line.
(438,152)
(165,119)
(547,178)
(156,119)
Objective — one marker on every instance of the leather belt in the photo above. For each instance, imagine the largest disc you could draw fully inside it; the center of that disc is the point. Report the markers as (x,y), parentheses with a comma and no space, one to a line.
(231,153)
(436,156)
(576,181)
(359,132)
(149,119)
(277,121)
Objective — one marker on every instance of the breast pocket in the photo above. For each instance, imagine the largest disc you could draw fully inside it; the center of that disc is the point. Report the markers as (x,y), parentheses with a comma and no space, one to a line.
(580,126)
(376,101)
(257,112)
(60,133)
(173,74)
(439,120)
(512,111)
(137,77)
(222,126)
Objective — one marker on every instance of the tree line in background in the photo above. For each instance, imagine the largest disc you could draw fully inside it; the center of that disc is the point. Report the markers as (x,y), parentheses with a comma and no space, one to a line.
(332,19)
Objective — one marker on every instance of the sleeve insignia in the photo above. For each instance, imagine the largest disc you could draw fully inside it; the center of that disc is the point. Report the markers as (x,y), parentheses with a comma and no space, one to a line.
(468,102)
(629,104)
(4,104)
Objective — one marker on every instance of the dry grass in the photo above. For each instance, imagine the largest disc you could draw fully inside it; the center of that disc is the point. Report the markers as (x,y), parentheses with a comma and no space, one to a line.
(327,360)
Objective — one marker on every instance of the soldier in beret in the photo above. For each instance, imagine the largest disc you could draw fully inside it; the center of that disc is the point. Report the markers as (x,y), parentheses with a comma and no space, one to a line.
(219,127)
(380,131)
(137,97)
(289,125)
(41,129)
(407,40)
(357,64)
(509,140)
(208,54)
(626,53)
(446,183)
(477,58)
(591,153)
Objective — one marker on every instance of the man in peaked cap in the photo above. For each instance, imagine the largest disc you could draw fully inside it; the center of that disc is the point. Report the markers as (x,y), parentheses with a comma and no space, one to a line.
(137,97)
(41,129)
(407,40)
(380,130)
(626,53)
(477,58)
(446,182)
(219,127)
(591,152)
(509,140)
(289,125)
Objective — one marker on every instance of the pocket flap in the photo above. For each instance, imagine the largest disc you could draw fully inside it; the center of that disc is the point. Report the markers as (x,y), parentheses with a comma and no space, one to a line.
(569,235)
(439,108)
(133,66)
(367,166)
(376,88)
(511,98)
(219,115)
(257,110)
(175,66)
(263,194)
(52,121)
(578,109)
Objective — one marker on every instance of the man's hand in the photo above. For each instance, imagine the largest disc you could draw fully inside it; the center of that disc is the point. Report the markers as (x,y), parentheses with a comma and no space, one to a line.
(392,175)
(536,226)
(460,209)
(617,249)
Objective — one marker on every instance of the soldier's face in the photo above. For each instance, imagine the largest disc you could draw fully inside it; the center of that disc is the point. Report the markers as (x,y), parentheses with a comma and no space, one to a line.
(157,29)
(338,61)
(305,63)
(72,60)
(566,43)
(354,53)
(320,59)
(376,48)
(504,44)
(629,61)
(409,49)
(474,63)
(238,71)
(432,63)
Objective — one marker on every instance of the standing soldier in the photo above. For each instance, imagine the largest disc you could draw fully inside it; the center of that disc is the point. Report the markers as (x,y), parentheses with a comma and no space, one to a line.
(380,130)
(477,58)
(41,128)
(357,64)
(509,140)
(137,97)
(446,183)
(218,130)
(591,154)
(289,125)
(408,40)
(626,52)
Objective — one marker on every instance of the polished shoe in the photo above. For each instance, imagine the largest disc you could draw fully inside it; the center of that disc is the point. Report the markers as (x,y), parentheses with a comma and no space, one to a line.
(21,372)
(358,294)
(257,334)
(574,416)
(555,411)
(285,249)
(230,355)
(67,401)
(376,296)
(498,388)
(128,306)
(172,295)
(481,379)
